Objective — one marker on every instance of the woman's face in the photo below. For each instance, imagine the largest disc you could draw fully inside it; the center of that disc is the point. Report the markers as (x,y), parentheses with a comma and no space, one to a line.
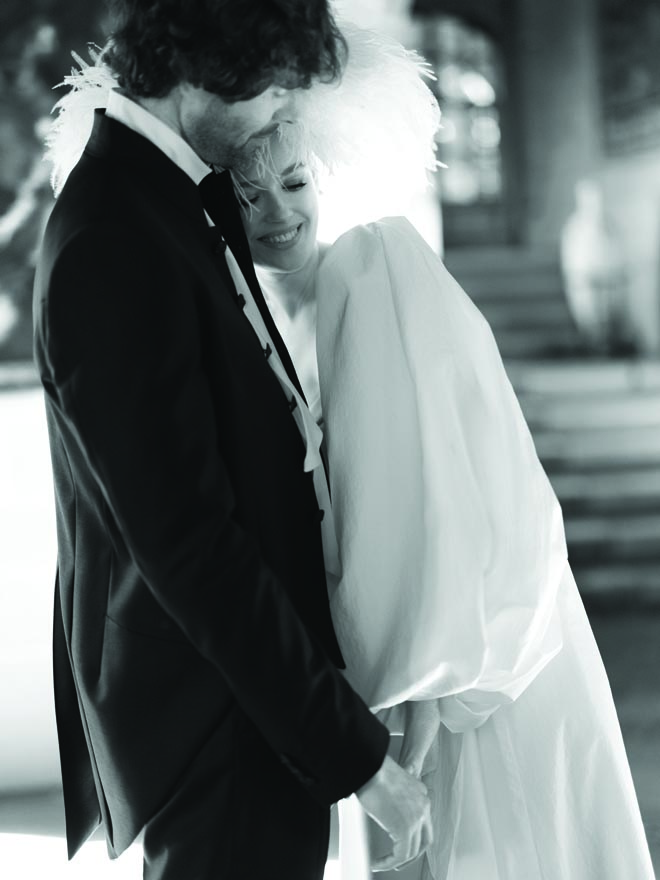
(281,219)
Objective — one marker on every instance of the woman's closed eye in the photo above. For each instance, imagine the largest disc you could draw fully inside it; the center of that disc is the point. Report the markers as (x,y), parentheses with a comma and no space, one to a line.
(294,186)
(252,196)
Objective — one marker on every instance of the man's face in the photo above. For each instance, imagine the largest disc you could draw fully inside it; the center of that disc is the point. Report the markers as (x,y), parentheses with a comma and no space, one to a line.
(229,134)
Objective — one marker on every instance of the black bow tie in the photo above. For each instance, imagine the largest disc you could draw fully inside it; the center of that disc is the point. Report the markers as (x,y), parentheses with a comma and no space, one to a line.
(221,205)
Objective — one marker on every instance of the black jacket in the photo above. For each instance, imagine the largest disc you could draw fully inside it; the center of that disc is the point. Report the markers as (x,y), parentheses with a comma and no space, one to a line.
(191,587)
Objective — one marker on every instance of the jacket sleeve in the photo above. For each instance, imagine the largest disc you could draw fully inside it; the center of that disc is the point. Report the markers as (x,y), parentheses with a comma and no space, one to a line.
(123,348)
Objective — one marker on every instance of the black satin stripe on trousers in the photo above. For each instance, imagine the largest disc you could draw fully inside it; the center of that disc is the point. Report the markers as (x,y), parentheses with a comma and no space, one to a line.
(222,207)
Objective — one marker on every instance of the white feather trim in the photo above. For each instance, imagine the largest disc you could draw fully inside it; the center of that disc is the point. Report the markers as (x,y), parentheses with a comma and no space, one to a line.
(379,118)
(381,115)
(90,85)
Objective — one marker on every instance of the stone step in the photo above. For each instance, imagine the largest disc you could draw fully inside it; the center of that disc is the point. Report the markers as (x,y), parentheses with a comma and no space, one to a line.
(617,533)
(625,408)
(627,582)
(39,812)
(561,342)
(503,260)
(508,284)
(18,374)
(599,553)
(526,314)
(603,491)
(507,272)
(580,376)
(593,448)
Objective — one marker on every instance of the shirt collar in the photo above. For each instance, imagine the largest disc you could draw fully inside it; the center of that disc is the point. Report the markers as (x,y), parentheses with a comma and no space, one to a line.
(143,122)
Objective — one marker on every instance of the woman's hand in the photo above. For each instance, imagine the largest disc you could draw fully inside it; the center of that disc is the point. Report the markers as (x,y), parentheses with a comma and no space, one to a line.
(400,804)
(422,724)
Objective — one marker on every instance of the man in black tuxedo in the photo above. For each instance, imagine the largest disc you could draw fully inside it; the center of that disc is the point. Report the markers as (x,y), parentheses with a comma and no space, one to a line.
(197,688)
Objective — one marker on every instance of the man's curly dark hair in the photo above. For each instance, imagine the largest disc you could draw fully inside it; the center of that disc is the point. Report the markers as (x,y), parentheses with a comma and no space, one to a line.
(233,48)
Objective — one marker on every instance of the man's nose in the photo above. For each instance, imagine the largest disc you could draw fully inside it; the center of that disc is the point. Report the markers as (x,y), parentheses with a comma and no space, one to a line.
(288,108)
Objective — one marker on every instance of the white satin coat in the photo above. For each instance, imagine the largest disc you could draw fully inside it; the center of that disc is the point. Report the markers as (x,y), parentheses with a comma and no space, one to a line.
(455,584)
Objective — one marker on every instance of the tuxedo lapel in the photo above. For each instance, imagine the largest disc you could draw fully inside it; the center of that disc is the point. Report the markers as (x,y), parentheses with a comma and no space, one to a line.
(113,141)
(223,208)
(142,160)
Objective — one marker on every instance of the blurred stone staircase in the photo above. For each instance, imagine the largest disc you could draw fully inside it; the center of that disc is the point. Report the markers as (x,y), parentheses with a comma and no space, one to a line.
(596,423)
(520,293)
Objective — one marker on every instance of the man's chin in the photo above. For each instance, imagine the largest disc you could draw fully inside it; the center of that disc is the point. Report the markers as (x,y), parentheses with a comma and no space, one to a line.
(241,158)
(244,158)
(233,159)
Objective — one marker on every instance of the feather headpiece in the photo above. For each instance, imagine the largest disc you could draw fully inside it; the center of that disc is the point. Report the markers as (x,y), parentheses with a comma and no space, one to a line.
(380,118)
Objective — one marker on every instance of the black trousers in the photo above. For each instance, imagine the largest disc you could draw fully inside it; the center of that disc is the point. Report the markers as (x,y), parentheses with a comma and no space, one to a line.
(238,814)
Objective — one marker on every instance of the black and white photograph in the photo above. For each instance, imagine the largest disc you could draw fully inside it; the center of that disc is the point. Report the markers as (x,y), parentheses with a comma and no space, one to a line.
(330,439)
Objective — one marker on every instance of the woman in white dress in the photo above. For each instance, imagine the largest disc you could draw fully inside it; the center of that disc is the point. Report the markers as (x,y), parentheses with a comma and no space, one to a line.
(450,588)
(455,602)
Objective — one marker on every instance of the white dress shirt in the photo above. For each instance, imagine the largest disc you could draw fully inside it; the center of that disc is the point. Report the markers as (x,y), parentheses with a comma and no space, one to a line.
(160,134)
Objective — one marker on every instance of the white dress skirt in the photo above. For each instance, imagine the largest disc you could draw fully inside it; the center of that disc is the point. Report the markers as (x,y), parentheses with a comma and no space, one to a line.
(455,584)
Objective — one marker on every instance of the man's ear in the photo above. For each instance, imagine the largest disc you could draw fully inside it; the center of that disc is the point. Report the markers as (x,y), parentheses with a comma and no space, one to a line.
(195,96)
(183,89)
(183,92)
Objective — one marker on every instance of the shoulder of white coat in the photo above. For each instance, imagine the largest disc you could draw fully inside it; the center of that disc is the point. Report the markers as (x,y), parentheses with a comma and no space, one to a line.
(400,232)
(361,246)
(421,277)
(403,245)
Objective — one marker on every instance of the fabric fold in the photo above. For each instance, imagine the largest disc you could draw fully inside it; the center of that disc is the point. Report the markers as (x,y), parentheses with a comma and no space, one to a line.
(451,538)
(456,585)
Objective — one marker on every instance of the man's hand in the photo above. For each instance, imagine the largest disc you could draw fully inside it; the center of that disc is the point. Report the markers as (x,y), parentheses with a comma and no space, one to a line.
(399,803)
(422,724)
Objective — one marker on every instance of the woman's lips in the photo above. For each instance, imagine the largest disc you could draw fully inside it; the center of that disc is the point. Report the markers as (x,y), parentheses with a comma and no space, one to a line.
(285,238)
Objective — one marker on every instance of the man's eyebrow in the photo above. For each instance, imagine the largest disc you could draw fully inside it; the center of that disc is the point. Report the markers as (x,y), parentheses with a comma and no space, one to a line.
(291,168)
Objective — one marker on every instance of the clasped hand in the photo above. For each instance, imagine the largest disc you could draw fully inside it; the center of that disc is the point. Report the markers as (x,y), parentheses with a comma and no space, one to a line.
(396,798)
(399,803)
(421,729)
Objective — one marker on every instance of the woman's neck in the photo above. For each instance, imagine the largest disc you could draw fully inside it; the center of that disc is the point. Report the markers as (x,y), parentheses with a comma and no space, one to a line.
(292,290)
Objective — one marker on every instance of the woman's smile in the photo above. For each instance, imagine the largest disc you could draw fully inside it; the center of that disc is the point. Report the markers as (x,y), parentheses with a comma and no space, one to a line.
(282,240)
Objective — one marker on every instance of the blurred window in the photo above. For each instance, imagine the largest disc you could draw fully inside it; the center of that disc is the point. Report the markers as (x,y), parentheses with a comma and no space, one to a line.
(469,89)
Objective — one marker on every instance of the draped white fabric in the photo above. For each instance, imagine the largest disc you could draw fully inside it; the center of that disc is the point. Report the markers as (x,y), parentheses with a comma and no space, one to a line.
(455,581)
(450,536)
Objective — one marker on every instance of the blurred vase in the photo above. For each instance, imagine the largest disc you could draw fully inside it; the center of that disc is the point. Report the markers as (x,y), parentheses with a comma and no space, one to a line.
(595,276)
